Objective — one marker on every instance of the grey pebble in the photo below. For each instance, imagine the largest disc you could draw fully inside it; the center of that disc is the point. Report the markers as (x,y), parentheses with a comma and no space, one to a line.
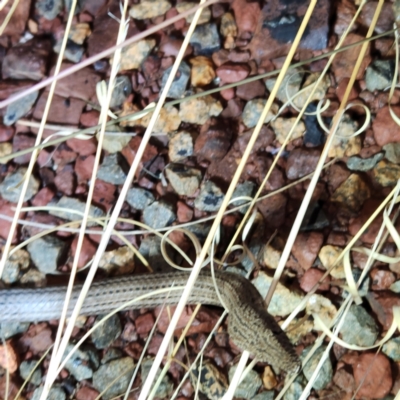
(55,393)
(73,51)
(246,188)
(294,391)
(325,374)
(166,386)
(111,354)
(392,152)
(159,215)
(392,349)
(359,327)
(180,146)
(122,89)
(150,250)
(184,180)
(356,163)
(379,74)
(46,252)
(249,386)
(139,198)
(10,329)
(49,9)
(79,364)
(110,170)
(268,395)
(26,367)
(205,39)
(117,371)
(179,84)
(210,197)
(19,108)
(107,332)
(11,187)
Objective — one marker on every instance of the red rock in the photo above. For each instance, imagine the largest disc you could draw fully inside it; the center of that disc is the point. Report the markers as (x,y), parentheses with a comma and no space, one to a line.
(385,20)
(43,219)
(372,375)
(43,197)
(89,119)
(144,323)
(6,209)
(381,279)
(301,161)
(385,128)
(344,380)
(228,94)
(220,57)
(83,147)
(129,333)
(86,393)
(155,343)
(184,212)
(87,252)
(165,318)
(38,338)
(239,56)
(65,181)
(17,23)
(337,174)
(251,90)
(22,142)
(341,88)
(273,209)
(62,110)
(230,73)
(233,109)
(246,16)
(311,277)
(382,304)
(63,156)
(84,168)
(103,194)
(6,133)
(8,87)
(344,62)
(306,248)
(8,357)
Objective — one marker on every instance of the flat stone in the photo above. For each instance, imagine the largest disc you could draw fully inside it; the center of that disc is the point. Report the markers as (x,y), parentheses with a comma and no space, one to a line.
(11,187)
(202,72)
(110,171)
(118,371)
(184,180)
(385,127)
(253,110)
(80,365)
(180,146)
(17,24)
(233,72)
(205,39)
(55,393)
(25,370)
(122,90)
(386,173)
(27,60)
(133,55)
(10,329)
(149,9)
(282,127)
(306,247)
(249,386)
(166,387)
(326,372)
(359,327)
(197,111)
(159,215)
(290,85)
(49,9)
(19,108)
(355,163)
(46,253)
(379,74)
(247,189)
(107,332)
(328,255)
(73,51)
(210,197)
(392,152)
(301,162)
(178,87)
(283,301)
(251,90)
(139,198)
(392,349)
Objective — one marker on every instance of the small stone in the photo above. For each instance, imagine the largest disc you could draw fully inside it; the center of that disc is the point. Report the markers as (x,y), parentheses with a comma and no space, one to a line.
(381,279)
(210,197)
(392,152)
(34,278)
(386,173)
(17,262)
(283,301)
(205,40)
(150,249)
(245,189)
(306,247)
(251,90)
(253,110)
(25,370)
(297,330)
(55,393)
(46,252)
(178,87)
(166,387)
(86,393)
(198,111)
(379,74)
(385,127)
(149,9)
(16,26)
(107,332)
(49,9)
(290,85)
(186,5)
(69,203)
(325,374)
(301,162)
(352,193)
(282,127)
(110,170)
(6,133)
(119,261)
(159,215)
(10,329)
(184,180)
(87,252)
(392,349)
(27,60)
(228,26)
(202,72)
(19,108)
(373,375)
(270,395)
(79,32)
(133,55)
(73,51)
(117,371)
(11,187)
(79,365)
(114,142)
(249,386)
(344,145)
(268,378)
(122,90)
(323,307)
(180,146)
(328,255)
(363,164)
(37,339)
(139,198)
(311,277)
(308,87)
(8,357)
(212,382)
(294,391)
(233,72)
